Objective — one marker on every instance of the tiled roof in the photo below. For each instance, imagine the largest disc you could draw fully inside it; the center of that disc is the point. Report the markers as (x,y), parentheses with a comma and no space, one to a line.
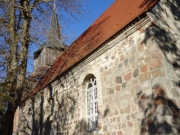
(114,19)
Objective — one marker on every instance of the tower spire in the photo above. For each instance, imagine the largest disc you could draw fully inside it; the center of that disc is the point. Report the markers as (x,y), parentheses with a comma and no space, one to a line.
(54,35)
(48,52)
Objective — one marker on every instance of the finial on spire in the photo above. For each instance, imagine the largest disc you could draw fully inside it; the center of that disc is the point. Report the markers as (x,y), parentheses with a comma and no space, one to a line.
(54,5)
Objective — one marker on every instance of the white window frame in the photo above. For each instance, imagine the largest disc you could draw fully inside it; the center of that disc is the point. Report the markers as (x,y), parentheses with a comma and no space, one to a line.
(92,112)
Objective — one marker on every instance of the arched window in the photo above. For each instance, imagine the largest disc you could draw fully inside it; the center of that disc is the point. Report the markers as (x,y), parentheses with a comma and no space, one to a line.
(92,103)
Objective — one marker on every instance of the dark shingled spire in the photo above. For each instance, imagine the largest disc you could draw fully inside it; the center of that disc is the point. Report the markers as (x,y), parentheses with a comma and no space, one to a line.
(54,36)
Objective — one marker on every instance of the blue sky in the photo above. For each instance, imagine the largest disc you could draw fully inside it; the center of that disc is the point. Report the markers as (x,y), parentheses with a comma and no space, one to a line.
(72,29)
(94,9)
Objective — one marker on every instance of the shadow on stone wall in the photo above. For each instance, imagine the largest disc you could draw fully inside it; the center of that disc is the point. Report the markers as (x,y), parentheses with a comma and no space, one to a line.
(165,31)
(55,118)
(26,130)
(43,121)
(161,114)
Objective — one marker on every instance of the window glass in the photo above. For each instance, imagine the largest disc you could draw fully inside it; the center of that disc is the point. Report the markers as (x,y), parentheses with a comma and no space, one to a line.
(92,104)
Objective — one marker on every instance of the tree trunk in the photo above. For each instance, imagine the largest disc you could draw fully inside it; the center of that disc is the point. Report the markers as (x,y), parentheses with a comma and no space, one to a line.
(16,74)
(6,124)
(24,44)
(8,119)
(12,60)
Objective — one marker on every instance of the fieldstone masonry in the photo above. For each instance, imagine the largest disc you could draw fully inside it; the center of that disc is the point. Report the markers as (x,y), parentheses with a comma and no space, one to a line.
(137,84)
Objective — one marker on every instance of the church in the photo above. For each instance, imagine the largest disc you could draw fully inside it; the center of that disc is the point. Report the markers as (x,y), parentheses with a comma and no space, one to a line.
(120,77)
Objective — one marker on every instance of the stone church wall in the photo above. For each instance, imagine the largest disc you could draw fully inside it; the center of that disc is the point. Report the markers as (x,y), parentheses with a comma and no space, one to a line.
(137,84)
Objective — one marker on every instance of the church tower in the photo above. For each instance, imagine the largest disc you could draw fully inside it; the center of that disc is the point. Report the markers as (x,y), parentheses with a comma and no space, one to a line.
(45,56)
